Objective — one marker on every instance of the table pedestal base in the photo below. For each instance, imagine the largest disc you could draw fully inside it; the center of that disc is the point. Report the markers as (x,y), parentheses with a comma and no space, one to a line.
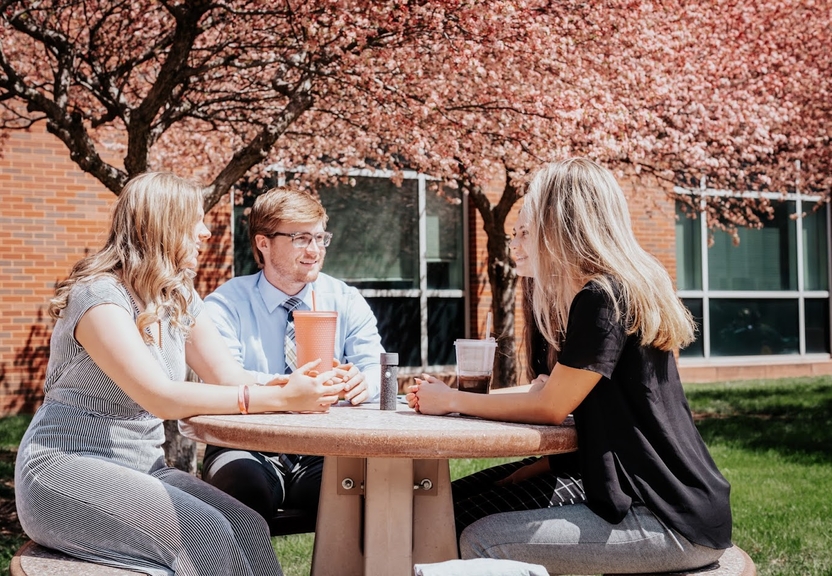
(374,535)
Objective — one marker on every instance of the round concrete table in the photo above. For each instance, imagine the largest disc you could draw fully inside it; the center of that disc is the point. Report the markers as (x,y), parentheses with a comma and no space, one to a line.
(386,490)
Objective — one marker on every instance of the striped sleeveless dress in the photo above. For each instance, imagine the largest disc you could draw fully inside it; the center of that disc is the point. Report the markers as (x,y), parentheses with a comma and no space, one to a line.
(91,479)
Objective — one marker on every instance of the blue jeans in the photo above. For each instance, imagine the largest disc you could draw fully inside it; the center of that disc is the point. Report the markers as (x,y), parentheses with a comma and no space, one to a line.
(573,540)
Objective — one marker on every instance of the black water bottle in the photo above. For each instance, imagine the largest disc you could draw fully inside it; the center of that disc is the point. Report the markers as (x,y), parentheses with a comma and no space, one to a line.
(389,380)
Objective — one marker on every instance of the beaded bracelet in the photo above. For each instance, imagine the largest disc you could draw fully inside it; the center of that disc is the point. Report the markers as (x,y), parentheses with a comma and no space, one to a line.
(242,398)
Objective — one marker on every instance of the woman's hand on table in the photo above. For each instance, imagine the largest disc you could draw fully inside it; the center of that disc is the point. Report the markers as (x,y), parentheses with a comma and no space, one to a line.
(306,390)
(278,380)
(430,396)
(410,396)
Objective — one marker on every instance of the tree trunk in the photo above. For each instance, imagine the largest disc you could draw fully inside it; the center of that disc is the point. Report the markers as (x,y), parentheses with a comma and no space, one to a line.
(503,281)
(180,452)
(501,276)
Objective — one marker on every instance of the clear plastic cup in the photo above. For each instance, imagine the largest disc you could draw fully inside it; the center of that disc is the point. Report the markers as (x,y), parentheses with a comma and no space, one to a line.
(475,364)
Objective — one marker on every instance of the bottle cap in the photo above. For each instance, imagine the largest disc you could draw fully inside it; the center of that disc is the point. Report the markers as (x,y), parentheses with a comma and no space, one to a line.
(390,358)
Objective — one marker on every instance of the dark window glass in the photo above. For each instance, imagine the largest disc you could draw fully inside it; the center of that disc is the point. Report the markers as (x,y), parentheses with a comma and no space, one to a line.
(399,326)
(764,259)
(688,250)
(443,239)
(695,349)
(446,323)
(398,323)
(741,327)
(817,324)
(375,233)
(815,257)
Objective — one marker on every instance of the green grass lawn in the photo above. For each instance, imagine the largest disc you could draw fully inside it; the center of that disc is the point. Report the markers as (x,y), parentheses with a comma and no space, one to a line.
(772,439)
(12,429)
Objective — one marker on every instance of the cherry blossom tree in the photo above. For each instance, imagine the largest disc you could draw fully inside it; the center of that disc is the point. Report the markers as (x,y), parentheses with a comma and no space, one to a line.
(225,88)
(741,104)
(734,93)
(519,84)
(206,85)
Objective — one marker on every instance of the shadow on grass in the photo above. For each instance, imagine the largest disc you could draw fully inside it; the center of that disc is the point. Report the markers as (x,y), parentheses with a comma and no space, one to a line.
(793,420)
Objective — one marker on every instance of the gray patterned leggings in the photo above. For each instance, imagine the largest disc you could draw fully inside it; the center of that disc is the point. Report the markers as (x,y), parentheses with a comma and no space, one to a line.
(573,540)
(477,495)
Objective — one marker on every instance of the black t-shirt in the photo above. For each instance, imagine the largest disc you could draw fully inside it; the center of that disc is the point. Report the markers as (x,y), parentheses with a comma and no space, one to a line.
(636,437)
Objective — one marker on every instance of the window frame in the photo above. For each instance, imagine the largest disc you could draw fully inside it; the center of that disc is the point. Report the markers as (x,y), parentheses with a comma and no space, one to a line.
(705,294)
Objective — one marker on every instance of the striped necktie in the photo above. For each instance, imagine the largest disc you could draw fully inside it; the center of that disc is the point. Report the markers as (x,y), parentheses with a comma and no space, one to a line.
(290,350)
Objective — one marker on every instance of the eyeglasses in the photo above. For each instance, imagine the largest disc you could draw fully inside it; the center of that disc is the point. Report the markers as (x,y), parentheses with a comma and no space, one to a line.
(303,239)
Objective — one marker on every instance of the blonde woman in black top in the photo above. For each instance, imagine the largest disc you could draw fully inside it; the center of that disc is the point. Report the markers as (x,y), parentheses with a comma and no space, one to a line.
(530,483)
(655,500)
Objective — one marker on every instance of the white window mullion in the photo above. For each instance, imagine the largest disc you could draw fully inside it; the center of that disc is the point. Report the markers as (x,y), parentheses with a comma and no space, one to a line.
(829,263)
(423,271)
(232,226)
(801,309)
(466,263)
(703,251)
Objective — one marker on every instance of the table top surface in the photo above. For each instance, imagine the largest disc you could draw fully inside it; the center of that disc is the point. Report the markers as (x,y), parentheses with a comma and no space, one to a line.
(366,431)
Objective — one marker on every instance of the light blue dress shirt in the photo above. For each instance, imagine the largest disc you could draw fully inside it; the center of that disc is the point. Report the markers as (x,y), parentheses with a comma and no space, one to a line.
(248,313)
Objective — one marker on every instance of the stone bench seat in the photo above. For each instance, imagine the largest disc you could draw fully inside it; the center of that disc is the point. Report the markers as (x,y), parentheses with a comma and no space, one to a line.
(734,562)
(35,560)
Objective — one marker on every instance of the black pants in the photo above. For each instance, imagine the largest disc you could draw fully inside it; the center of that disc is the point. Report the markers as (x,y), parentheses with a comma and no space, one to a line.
(264,481)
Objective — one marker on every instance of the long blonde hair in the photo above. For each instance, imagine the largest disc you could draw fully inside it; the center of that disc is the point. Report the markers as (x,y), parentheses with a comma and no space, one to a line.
(580,230)
(151,236)
(532,334)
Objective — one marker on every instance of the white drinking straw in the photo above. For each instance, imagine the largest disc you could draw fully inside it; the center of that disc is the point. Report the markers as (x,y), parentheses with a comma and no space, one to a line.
(488,325)
(313,300)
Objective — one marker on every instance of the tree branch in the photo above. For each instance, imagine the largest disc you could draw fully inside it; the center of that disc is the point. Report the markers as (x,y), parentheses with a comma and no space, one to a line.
(258,148)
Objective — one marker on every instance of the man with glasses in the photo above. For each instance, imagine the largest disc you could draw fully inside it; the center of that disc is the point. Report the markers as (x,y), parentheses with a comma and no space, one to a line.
(253,314)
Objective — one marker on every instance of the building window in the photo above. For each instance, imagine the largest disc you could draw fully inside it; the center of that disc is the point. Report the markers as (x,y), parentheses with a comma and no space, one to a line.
(768,295)
(403,248)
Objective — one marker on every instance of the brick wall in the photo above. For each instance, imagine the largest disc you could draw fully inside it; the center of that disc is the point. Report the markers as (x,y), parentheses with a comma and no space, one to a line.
(51,215)
(653,217)
(480,289)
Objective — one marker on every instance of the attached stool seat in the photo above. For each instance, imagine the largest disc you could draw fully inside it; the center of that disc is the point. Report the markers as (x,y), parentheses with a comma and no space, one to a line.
(35,560)
(734,562)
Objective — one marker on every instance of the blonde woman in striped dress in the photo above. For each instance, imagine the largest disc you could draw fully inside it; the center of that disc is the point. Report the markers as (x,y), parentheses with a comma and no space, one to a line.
(91,479)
